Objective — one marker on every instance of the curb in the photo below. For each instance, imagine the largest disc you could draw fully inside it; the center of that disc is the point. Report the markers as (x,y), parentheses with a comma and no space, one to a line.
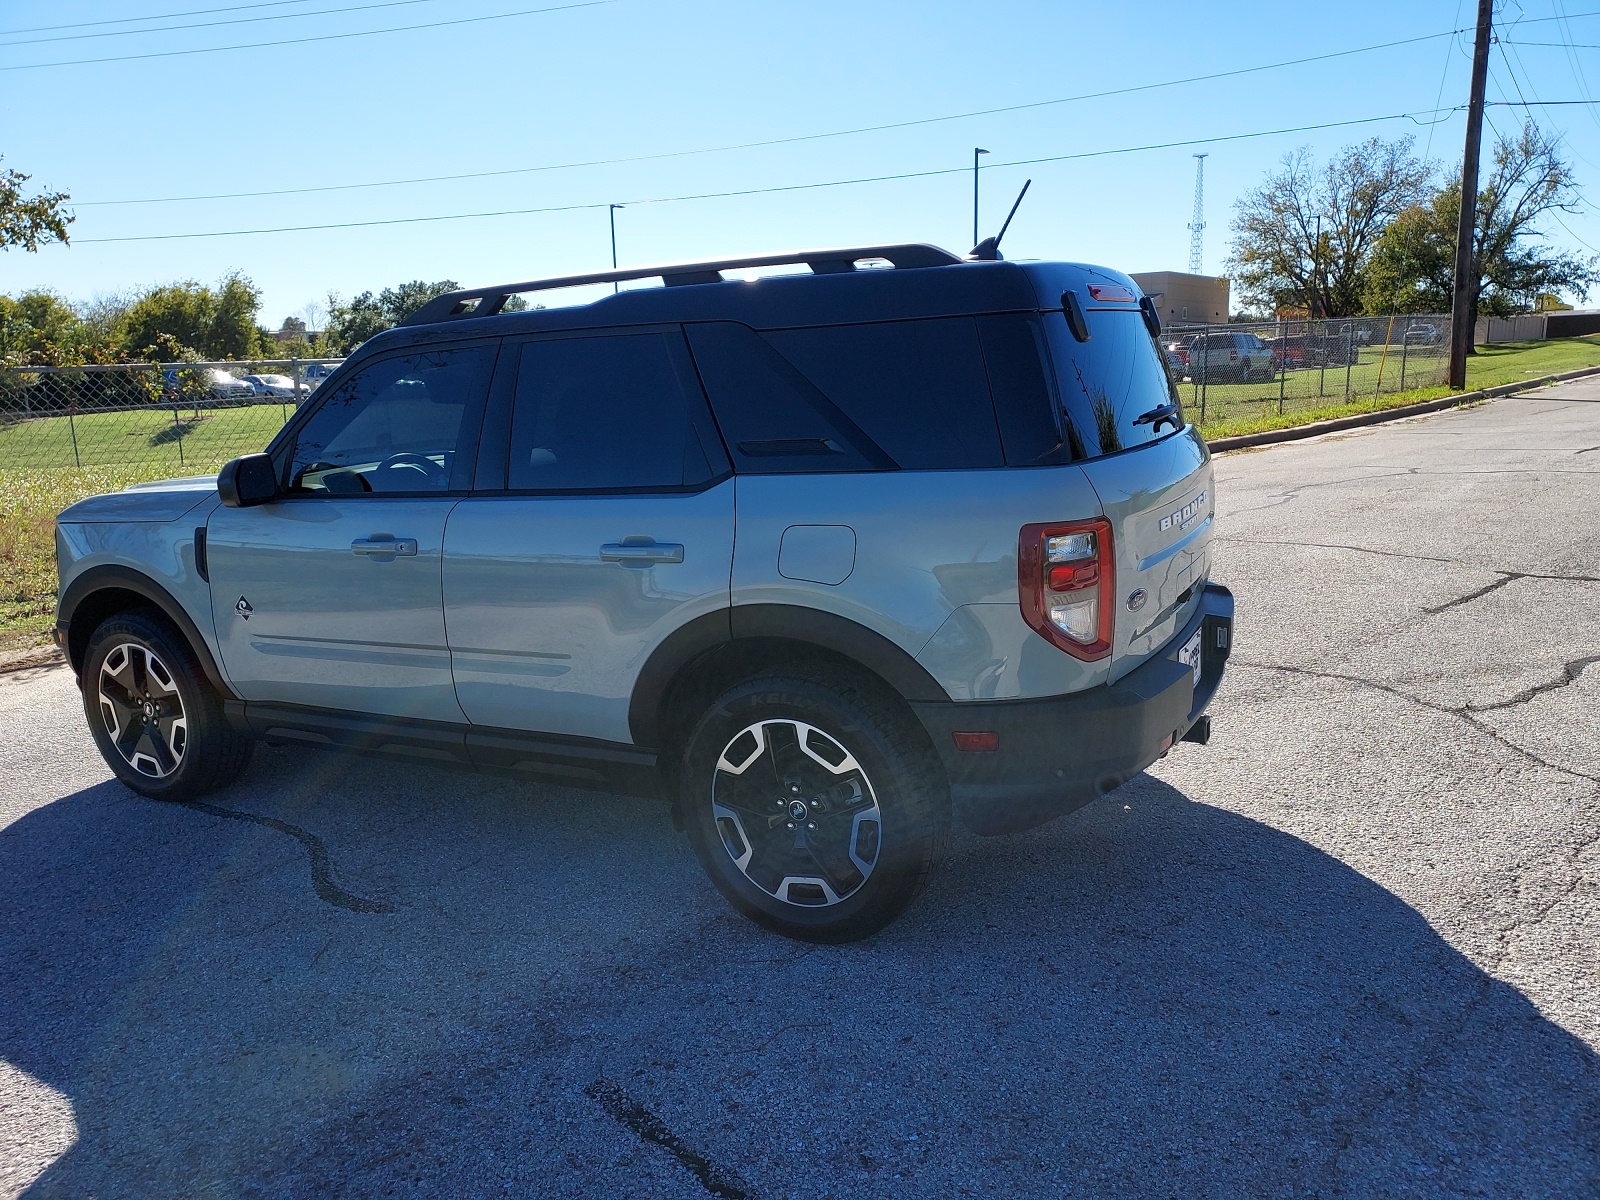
(1296,432)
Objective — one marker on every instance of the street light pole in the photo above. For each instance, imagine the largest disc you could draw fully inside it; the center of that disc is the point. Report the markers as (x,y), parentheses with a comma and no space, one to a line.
(614,208)
(1316,274)
(975,152)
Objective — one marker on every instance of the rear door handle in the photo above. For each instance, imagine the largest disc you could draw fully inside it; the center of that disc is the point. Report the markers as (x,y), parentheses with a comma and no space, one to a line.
(385,545)
(641,552)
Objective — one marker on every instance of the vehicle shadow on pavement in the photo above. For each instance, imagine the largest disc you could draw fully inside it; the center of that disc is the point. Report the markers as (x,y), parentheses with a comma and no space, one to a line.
(1152,997)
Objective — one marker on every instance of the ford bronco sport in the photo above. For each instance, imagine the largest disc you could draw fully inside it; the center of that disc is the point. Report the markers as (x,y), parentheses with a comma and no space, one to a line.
(831,559)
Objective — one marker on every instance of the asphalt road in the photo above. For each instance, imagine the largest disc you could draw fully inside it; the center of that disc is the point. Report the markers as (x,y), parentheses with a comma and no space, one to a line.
(1350,948)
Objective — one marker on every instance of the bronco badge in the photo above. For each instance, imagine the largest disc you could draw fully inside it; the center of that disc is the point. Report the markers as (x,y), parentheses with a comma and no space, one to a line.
(243,608)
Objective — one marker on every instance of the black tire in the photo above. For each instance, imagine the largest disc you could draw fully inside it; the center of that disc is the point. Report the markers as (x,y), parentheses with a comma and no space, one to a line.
(157,721)
(847,755)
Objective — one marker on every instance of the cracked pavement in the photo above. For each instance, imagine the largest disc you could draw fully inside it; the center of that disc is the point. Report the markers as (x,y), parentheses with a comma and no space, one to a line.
(1350,948)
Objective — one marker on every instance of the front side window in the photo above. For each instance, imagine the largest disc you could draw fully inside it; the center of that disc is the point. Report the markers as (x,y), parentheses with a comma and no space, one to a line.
(401,424)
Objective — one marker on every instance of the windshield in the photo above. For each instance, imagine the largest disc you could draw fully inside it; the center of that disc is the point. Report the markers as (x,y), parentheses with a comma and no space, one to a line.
(1114,389)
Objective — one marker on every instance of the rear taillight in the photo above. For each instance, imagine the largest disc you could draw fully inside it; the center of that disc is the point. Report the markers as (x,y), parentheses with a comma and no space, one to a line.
(1065,579)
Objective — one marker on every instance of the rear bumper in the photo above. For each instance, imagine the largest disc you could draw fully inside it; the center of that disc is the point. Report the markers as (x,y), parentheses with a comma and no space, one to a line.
(1059,753)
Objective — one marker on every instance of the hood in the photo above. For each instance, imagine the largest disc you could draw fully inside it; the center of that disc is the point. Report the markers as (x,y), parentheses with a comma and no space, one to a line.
(163,500)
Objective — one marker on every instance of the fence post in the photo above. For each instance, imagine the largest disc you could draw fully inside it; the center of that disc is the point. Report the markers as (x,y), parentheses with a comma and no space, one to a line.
(294,371)
(177,426)
(1405,347)
(1283,365)
(1205,367)
(1350,353)
(72,428)
(1322,359)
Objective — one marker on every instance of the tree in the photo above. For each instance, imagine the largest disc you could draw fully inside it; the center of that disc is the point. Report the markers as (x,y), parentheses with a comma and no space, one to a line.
(1306,236)
(194,321)
(33,221)
(233,332)
(1414,265)
(40,328)
(367,315)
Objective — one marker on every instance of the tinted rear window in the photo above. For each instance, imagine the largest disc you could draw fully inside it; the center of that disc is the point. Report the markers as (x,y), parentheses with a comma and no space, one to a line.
(1112,385)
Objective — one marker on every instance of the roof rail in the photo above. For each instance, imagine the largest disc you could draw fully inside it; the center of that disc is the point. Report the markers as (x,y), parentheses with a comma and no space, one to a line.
(487,301)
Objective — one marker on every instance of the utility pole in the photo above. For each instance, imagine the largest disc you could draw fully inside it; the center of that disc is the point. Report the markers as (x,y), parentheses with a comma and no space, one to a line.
(975,152)
(1461,330)
(614,208)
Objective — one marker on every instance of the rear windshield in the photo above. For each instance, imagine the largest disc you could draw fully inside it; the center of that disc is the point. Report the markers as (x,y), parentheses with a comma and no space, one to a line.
(1114,389)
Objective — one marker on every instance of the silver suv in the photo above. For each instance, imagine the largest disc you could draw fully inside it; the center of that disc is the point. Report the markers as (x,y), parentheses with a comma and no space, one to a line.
(829,559)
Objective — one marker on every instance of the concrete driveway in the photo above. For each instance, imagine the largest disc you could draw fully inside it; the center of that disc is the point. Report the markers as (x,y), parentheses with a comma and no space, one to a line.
(1348,949)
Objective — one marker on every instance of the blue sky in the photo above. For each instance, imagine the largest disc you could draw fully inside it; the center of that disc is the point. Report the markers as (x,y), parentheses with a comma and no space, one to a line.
(635,78)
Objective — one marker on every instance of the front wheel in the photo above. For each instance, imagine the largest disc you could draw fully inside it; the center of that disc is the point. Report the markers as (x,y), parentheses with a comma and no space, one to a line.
(155,718)
(814,803)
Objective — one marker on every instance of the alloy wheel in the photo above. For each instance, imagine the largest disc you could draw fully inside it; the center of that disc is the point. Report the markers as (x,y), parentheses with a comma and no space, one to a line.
(142,711)
(796,813)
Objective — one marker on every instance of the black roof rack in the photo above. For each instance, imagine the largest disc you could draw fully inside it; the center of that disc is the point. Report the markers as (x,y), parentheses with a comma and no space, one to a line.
(487,301)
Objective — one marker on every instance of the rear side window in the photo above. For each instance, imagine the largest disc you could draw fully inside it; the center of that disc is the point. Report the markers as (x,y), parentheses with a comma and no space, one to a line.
(774,420)
(1114,388)
(916,388)
(613,413)
(1013,356)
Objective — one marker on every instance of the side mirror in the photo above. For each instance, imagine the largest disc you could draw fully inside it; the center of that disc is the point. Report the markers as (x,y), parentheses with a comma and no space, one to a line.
(248,481)
(1152,318)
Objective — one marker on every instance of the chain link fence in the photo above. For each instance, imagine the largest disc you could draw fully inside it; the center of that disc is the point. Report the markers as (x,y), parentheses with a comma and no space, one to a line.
(147,418)
(1237,371)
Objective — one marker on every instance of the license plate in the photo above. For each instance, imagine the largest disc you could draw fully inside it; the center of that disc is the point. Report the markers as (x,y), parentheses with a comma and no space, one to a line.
(1190,656)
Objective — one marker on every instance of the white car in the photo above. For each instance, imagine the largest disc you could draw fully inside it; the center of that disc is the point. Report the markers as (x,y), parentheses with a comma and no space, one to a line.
(270,385)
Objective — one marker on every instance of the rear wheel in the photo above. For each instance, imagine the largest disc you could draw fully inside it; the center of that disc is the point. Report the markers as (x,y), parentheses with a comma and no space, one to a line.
(155,719)
(814,803)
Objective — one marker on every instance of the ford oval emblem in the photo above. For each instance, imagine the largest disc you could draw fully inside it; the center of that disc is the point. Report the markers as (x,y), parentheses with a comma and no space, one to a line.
(1136,599)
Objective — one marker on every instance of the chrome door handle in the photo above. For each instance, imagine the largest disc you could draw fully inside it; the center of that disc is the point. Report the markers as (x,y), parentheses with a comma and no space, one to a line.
(641,552)
(385,545)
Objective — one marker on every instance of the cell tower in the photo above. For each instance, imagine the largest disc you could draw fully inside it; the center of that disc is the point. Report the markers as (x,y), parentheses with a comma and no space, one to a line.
(1197,227)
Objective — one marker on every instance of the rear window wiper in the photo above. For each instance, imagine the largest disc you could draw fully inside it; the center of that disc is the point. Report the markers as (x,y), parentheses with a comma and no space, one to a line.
(1157,416)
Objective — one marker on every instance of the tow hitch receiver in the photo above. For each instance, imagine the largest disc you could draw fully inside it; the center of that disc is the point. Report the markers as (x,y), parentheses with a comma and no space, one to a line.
(1200,732)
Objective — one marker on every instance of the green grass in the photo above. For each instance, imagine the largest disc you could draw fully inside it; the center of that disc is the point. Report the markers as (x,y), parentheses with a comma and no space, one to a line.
(40,475)
(29,502)
(1236,409)
(157,440)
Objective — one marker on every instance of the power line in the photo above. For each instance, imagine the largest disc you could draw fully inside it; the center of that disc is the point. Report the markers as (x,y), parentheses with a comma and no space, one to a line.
(1444,74)
(196,12)
(326,37)
(787,141)
(795,187)
(294,16)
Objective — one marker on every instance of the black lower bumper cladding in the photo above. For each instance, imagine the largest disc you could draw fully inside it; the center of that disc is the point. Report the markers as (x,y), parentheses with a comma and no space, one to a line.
(1059,753)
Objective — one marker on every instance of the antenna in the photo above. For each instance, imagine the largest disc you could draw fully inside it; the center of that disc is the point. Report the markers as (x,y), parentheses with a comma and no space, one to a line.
(1197,227)
(988,250)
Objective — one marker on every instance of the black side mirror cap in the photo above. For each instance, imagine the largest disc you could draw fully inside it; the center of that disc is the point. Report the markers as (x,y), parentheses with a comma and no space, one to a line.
(1152,318)
(247,481)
